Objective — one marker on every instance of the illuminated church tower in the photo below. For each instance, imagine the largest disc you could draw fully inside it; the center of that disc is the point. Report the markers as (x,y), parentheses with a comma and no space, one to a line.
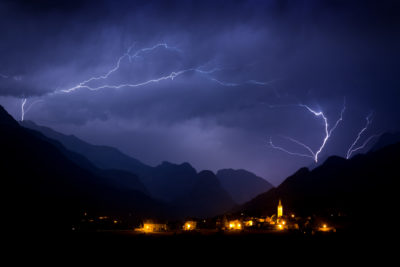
(280,209)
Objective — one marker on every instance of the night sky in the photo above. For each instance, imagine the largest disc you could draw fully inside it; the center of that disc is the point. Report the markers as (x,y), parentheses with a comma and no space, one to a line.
(241,72)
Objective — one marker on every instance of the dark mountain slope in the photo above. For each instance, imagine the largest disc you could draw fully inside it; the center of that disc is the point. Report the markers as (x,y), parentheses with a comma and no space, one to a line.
(360,187)
(115,178)
(242,185)
(385,140)
(207,197)
(167,181)
(103,157)
(42,188)
(171,181)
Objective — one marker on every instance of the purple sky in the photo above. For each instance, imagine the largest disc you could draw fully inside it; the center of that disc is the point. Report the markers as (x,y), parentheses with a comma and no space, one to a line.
(248,66)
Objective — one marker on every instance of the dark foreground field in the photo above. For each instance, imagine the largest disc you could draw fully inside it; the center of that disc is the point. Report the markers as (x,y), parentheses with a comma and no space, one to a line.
(221,241)
(207,248)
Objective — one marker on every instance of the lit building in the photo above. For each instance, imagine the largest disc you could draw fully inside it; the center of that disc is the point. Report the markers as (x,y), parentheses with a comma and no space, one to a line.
(189,226)
(150,227)
(280,209)
(326,228)
(249,223)
(235,225)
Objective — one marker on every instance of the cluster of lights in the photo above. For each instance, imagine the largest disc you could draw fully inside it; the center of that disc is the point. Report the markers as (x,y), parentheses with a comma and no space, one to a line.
(235,226)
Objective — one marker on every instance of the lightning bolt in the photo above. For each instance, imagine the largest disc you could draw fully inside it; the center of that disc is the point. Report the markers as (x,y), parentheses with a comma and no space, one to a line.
(86,84)
(254,82)
(25,110)
(128,55)
(224,83)
(287,151)
(328,132)
(352,148)
(171,76)
(261,83)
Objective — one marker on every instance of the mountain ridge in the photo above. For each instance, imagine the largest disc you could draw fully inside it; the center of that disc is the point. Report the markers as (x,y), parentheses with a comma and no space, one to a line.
(353,188)
(166,181)
(44,189)
(241,184)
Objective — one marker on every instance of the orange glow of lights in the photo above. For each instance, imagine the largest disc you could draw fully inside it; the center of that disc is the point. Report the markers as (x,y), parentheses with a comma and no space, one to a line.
(189,225)
(235,225)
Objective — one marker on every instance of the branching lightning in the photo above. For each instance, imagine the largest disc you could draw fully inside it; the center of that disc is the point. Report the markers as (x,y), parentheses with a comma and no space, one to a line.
(88,83)
(352,148)
(328,132)
(287,151)
(310,153)
(171,76)
(25,110)
(128,55)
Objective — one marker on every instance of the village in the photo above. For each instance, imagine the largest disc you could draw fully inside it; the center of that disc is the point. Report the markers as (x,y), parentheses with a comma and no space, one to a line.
(227,224)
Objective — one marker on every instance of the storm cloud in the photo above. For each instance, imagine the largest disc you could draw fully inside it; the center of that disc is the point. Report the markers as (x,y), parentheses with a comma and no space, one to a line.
(262,53)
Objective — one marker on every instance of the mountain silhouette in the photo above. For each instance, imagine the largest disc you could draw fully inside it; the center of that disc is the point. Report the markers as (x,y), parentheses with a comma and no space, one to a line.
(171,181)
(242,185)
(361,188)
(116,178)
(167,181)
(206,198)
(103,157)
(45,189)
(120,188)
(385,140)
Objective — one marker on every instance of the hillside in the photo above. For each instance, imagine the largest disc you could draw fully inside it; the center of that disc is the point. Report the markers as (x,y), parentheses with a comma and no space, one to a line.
(206,198)
(43,188)
(242,185)
(361,187)
(167,181)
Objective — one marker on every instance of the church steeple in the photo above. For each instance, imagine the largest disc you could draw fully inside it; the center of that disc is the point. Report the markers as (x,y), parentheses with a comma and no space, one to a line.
(280,209)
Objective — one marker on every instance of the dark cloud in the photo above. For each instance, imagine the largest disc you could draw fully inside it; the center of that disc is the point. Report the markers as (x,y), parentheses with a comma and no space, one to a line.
(314,52)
